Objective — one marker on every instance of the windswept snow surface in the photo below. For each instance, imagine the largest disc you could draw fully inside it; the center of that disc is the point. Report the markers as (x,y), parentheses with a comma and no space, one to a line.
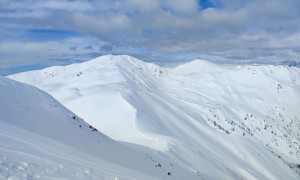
(230,122)
(41,139)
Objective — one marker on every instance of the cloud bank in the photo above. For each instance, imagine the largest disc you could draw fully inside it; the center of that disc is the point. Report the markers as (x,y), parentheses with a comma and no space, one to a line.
(56,31)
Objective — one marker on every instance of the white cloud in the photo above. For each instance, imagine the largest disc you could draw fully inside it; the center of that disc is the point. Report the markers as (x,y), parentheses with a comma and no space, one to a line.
(19,53)
(250,29)
(100,25)
(186,6)
(145,5)
(63,5)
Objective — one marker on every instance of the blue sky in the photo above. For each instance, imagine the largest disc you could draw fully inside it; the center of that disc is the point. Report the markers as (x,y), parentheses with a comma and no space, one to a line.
(36,34)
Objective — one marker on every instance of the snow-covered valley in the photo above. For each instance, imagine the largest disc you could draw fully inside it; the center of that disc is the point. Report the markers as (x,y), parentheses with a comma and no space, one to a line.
(196,121)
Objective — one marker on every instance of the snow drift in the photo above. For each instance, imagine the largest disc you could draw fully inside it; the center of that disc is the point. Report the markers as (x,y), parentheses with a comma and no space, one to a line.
(41,139)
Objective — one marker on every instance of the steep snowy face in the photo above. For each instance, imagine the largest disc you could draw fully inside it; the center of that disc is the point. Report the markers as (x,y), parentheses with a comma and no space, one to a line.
(41,139)
(258,101)
(97,85)
(220,121)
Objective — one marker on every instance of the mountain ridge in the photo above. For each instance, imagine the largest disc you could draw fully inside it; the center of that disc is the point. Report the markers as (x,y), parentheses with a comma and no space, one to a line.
(41,139)
(189,115)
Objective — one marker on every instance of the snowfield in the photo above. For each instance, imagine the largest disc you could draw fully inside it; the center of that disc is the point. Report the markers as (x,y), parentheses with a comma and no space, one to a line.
(196,121)
(41,139)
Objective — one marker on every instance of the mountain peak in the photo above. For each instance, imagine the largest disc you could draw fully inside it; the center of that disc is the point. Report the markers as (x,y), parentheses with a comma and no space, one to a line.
(125,62)
(198,65)
(290,63)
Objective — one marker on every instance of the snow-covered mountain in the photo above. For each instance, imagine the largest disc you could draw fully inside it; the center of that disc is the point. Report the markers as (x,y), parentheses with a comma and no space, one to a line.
(216,121)
(41,139)
(290,63)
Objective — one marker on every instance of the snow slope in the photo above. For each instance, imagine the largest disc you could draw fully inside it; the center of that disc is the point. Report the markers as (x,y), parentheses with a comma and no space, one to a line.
(41,139)
(219,121)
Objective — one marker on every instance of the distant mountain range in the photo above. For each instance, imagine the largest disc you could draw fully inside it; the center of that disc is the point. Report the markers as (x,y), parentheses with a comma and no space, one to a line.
(290,63)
